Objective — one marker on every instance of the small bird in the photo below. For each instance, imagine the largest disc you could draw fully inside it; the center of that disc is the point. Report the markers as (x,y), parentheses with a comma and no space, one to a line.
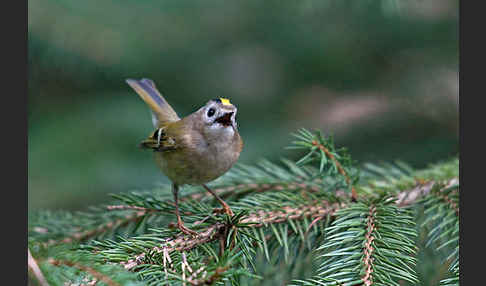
(193,150)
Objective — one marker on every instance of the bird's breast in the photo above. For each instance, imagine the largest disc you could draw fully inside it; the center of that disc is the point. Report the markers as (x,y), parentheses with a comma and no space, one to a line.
(199,161)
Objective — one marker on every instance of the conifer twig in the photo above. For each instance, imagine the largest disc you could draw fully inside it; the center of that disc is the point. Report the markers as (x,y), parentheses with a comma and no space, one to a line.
(258,188)
(340,168)
(36,270)
(258,219)
(125,207)
(96,274)
(453,205)
(80,236)
(422,189)
(404,198)
(368,248)
(262,218)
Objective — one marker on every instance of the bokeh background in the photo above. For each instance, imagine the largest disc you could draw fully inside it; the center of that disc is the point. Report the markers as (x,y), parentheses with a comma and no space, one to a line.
(380,75)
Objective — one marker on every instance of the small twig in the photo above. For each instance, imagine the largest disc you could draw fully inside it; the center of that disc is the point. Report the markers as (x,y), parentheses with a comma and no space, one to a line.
(422,189)
(222,240)
(408,197)
(312,223)
(180,243)
(233,238)
(126,207)
(453,205)
(340,168)
(225,192)
(88,283)
(183,268)
(166,254)
(36,270)
(368,248)
(80,236)
(209,281)
(99,276)
(446,198)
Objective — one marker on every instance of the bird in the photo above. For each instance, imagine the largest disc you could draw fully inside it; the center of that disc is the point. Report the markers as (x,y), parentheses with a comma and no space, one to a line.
(192,150)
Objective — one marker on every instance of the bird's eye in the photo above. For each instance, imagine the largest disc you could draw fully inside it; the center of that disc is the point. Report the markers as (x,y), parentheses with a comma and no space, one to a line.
(211,112)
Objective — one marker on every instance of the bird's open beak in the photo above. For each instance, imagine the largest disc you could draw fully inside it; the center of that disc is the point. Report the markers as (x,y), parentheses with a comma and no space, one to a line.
(225,119)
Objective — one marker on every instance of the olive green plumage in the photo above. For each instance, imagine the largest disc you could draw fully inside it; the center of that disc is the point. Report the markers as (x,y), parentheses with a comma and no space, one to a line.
(195,149)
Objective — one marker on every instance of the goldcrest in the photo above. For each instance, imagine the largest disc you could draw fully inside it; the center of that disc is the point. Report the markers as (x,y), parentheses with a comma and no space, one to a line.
(193,150)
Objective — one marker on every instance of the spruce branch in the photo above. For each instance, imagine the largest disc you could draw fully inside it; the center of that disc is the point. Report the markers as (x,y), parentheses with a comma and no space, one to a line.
(243,180)
(404,198)
(281,212)
(442,216)
(369,247)
(34,267)
(259,219)
(366,245)
(139,203)
(388,178)
(87,234)
(422,189)
(96,274)
(332,161)
(67,265)
(454,280)
(240,189)
(338,166)
(262,218)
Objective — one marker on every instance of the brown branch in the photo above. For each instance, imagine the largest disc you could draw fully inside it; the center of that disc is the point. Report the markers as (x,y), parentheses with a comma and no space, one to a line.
(258,219)
(99,276)
(86,280)
(453,205)
(404,198)
(340,168)
(225,192)
(368,248)
(422,189)
(88,283)
(36,270)
(261,218)
(126,207)
(80,236)
(446,197)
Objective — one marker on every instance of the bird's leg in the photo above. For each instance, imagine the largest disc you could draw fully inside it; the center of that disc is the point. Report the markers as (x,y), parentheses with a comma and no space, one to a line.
(180,223)
(226,207)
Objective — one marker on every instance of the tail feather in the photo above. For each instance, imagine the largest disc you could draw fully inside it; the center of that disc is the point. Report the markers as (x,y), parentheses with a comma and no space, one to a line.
(162,111)
(149,82)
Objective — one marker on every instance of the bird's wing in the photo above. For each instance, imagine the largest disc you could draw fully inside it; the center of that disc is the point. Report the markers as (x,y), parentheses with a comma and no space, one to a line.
(160,141)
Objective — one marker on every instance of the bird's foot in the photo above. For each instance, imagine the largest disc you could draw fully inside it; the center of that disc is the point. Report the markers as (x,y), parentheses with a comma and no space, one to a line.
(186,230)
(183,228)
(225,209)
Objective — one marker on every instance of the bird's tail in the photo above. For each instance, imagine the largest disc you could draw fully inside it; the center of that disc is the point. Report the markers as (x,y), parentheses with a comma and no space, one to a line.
(162,112)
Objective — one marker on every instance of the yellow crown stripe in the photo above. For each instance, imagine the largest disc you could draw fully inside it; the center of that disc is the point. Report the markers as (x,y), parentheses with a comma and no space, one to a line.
(225,101)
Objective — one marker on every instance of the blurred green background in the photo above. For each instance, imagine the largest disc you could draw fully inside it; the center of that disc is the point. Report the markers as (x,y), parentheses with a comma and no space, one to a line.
(381,76)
